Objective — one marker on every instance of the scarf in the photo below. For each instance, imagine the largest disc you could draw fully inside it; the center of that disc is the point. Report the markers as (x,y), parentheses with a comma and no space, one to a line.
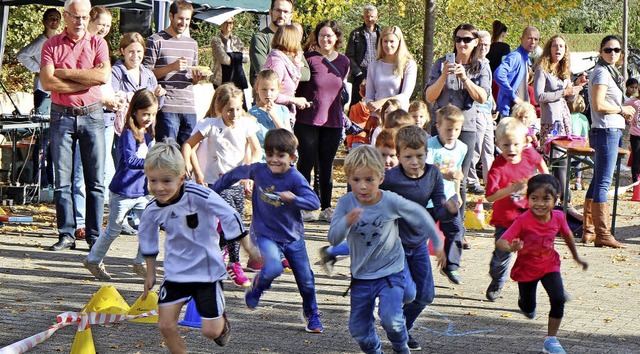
(292,69)
(615,74)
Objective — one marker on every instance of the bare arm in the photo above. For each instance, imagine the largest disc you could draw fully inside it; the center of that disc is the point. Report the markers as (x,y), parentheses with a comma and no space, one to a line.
(188,153)
(256,150)
(98,75)
(600,104)
(50,82)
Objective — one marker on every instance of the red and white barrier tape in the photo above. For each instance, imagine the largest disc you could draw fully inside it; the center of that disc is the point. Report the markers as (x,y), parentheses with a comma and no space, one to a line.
(84,321)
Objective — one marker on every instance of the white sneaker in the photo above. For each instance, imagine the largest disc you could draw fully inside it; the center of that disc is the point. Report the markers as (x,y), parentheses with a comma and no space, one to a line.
(326,215)
(309,215)
(625,168)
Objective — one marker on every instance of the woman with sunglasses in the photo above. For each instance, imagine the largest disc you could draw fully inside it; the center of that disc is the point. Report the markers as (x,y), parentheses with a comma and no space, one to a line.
(393,74)
(608,115)
(461,83)
(552,87)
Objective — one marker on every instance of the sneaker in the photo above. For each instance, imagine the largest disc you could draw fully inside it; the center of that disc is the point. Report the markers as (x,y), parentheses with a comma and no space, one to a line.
(140,269)
(309,215)
(530,315)
(80,233)
(128,230)
(252,296)
(413,344)
(313,323)
(623,168)
(225,336)
(286,266)
(475,189)
(235,273)
(97,270)
(552,345)
(493,292)
(254,265)
(465,244)
(452,275)
(326,215)
(328,261)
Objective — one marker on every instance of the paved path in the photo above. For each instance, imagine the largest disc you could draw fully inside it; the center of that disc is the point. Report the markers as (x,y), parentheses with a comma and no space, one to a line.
(604,317)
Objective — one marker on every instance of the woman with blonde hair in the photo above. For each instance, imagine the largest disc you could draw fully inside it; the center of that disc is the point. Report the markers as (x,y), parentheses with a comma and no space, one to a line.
(286,60)
(393,74)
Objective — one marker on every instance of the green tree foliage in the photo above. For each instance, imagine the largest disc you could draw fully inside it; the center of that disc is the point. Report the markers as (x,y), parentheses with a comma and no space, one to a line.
(593,16)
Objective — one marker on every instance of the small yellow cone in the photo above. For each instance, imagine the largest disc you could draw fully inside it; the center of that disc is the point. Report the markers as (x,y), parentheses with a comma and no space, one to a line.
(83,343)
(142,306)
(107,300)
(471,221)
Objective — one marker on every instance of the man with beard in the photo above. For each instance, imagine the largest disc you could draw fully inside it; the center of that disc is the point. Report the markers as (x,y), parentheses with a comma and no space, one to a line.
(281,12)
(177,117)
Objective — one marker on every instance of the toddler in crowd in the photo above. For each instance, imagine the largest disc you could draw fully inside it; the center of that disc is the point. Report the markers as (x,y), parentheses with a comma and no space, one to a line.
(580,127)
(128,189)
(420,113)
(506,184)
(632,88)
(526,113)
(231,141)
(532,236)
(193,266)
(279,194)
(398,119)
(359,114)
(374,126)
(367,218)
(269,114)
(446,152)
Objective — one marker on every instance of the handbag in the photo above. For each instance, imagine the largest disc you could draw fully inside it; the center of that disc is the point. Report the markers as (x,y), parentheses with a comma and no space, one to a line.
(345,97)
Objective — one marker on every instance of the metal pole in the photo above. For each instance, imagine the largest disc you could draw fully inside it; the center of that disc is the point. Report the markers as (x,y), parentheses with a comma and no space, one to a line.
(625,39)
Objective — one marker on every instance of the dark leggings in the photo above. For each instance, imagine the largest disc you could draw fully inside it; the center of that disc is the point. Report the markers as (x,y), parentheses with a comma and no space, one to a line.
(552,283)
(635,157)
(318,144)
(234,196)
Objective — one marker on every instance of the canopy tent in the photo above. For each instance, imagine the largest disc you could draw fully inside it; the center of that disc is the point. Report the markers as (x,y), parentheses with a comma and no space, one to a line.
(223,9)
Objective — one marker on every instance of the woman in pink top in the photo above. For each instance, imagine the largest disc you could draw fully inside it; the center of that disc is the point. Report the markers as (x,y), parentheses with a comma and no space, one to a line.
(286,60)
(532,235)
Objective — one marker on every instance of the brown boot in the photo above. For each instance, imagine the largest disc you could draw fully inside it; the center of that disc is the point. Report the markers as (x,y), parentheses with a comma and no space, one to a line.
(588,231)
(600,213)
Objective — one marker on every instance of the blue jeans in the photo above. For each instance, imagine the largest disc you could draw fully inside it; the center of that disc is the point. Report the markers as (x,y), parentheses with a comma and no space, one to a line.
(389,291)
(77,189)
(119,206)
(605,144)
(174,125)
(453,231)
(296,254)
(499,261)
(418,263)
(87,132)
(109,166)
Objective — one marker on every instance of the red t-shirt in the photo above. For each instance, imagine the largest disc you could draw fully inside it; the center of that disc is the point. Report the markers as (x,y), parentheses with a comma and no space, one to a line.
(537,256)
(86,53)
(501,175)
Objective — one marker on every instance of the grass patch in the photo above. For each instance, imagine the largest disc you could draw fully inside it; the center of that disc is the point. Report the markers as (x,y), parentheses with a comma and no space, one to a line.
(589,42)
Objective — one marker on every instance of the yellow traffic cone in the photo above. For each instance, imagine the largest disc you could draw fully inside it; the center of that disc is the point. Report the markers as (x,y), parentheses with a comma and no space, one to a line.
(142,306)
(107,300)
(83,343)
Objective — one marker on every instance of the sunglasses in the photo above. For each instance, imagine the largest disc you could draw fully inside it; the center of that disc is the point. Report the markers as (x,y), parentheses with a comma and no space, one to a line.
(609,50)
(466,40)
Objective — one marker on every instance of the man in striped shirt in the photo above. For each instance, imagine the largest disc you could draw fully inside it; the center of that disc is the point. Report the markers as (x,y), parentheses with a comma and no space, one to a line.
(171,55)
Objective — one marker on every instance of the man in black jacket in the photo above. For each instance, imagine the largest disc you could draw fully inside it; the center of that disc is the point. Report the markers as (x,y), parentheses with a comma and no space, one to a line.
(362,49)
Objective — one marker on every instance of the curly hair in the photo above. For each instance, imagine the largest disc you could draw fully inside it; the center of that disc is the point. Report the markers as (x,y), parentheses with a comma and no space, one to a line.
(563,68)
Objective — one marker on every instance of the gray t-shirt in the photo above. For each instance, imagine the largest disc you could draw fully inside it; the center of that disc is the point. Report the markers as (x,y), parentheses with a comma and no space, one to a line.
(601,76)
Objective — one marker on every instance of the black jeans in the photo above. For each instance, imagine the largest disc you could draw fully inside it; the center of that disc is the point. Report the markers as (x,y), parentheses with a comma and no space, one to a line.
(635,157)
(552,283)
(318,145)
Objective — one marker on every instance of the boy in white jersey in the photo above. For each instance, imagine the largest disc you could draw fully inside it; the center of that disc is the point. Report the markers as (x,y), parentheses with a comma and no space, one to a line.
(193,265)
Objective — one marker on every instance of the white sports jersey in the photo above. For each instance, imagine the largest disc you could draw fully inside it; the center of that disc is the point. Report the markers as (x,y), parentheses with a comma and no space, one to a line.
(192,253)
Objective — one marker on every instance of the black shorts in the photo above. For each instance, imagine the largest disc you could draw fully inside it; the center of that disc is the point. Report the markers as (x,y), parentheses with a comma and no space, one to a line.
(208,297)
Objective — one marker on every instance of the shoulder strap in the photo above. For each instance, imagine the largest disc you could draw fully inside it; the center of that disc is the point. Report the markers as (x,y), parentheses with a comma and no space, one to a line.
(332,67)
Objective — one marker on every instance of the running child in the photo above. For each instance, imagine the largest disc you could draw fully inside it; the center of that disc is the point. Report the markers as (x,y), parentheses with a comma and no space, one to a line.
(269,114)
(231,141)
(280,192)
(526,113)
(506,186)
(532,236)
(374,126)
(421,183)
(367,218)
(128,189)
(420,113)
(446,152)
(193,265)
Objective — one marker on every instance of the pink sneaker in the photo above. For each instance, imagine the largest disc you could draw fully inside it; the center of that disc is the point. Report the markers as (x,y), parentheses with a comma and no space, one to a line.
(254,265)
(286,266)
(235,273)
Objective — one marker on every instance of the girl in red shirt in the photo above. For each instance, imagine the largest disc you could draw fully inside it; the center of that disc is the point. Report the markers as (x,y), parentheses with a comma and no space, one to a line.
(532,235)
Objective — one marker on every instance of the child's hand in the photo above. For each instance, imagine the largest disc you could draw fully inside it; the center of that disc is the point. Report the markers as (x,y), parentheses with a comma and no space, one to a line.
(441,258)
(451,205)
(199,178)
(149,282)
(248,186)
(353,216)
(584,264)
(518,185)
(287,196)
(516,245)
(159,91)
